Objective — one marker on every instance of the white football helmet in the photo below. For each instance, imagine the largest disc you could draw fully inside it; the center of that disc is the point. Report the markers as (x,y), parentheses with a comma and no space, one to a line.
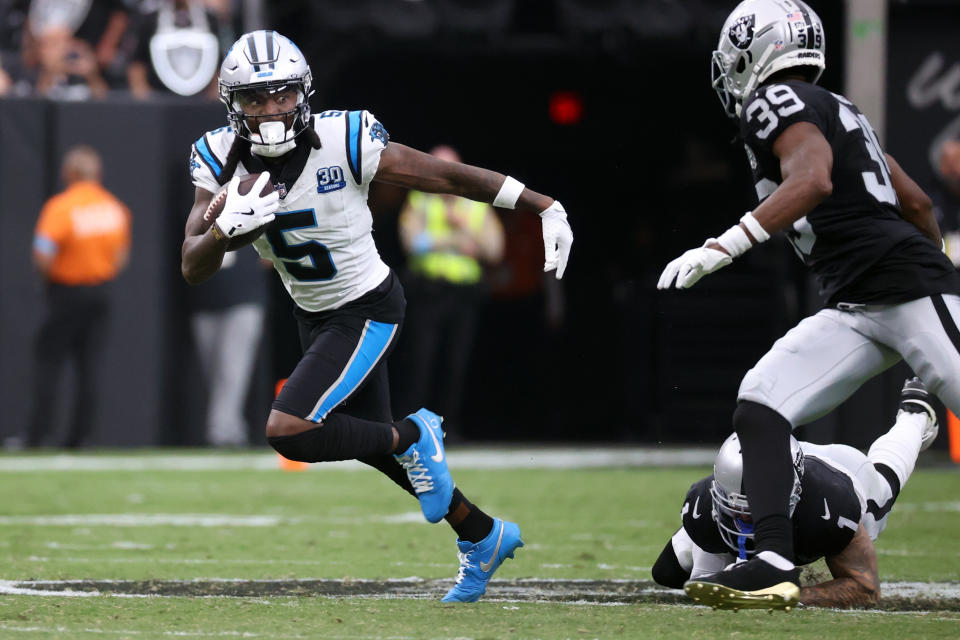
(731,510)
(760,38)
(265,61)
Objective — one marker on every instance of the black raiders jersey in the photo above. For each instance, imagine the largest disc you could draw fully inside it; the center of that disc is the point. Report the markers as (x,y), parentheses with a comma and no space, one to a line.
(856,242)
(824,521)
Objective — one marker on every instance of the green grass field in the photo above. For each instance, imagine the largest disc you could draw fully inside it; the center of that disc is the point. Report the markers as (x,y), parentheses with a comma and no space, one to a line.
(344,554)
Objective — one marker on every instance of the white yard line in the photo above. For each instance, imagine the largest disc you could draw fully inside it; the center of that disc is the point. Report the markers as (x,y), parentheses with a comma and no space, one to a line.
(200,520)
(518,458)
(193,634)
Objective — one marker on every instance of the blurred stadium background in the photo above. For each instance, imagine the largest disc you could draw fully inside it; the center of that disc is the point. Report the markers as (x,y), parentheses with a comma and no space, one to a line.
(605,104)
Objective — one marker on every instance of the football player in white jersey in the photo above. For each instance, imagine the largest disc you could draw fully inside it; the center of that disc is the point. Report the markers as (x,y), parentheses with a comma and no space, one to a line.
(316,230)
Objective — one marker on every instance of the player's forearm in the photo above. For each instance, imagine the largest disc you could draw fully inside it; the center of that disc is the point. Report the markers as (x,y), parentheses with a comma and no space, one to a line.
(841,593)
(483,185)
(795,198)
(201,257)
(406,167)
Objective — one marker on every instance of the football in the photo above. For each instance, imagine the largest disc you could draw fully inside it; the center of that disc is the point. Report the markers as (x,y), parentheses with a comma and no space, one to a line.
(215,208)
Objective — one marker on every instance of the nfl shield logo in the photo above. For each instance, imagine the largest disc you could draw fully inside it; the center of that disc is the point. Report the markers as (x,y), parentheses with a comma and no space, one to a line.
(281,188)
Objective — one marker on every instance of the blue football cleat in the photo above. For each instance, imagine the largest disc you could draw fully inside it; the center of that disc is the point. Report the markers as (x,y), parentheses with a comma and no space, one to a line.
(426,465)
(479,560)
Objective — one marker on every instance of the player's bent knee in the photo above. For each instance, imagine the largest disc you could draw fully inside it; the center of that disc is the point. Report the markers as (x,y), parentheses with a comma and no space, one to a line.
(283,424)
(318,443)
(667,571)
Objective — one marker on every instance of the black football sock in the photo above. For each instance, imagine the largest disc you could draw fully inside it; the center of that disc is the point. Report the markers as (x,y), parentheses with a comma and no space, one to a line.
(388,466)
(340,437)
(767,474)
(409,433)
(470,523)
(775,533)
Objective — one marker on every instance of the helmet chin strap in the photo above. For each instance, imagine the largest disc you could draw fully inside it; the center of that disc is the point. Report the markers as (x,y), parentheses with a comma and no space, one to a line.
(273,135)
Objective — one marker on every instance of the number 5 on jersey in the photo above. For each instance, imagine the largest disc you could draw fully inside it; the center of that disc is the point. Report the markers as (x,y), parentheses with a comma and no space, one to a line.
(308,260)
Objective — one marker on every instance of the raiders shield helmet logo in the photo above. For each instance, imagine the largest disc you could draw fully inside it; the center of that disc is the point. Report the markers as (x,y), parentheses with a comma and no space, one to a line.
(741,32)
(185,61)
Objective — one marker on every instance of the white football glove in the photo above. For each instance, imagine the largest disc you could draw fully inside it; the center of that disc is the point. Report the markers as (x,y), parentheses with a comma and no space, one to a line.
(243,214)
(557,238)
(693,265)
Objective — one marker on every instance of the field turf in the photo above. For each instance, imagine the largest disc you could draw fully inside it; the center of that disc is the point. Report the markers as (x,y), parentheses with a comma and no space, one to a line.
(131,550)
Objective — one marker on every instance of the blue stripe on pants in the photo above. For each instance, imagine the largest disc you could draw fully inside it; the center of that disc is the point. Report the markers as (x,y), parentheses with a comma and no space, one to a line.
(374,341)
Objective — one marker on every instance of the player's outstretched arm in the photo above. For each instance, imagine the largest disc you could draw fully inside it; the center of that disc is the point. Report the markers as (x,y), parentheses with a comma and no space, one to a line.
(202,253)
(915,205)
(855,577)
(404,166)
(806,162)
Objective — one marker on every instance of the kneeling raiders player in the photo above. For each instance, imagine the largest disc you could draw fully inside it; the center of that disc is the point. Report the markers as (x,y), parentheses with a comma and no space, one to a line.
(839,504)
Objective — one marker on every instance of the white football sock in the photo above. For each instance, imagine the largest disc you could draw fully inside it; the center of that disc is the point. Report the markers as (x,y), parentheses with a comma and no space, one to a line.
(899,447)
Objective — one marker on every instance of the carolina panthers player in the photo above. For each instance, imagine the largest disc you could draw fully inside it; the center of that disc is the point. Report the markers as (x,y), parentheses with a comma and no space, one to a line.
(349,305)
(839,503)
(864,228)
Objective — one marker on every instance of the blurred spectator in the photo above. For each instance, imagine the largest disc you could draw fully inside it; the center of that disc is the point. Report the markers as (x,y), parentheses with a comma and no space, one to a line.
(446,239)
(227,322)
(66,67)
(99,23)
(68,45)
(81,243)
(177,50)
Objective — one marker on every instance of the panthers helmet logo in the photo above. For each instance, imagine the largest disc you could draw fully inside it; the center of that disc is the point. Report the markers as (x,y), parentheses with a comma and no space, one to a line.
(741,32)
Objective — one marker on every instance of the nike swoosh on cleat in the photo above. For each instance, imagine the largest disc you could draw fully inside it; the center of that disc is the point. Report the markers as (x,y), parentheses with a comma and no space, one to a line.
(696,514)
(438,456)
(826,509)
(486,566)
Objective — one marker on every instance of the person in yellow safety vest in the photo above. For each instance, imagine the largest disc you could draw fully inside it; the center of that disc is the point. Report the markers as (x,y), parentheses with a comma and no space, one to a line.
(448,240)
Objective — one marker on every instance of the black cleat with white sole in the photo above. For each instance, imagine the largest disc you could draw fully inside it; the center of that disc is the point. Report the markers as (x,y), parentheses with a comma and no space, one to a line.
(914,398)
(754,584)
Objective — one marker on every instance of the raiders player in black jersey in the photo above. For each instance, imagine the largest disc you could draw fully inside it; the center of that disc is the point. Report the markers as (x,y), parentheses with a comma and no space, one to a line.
(839,503)
(864,228)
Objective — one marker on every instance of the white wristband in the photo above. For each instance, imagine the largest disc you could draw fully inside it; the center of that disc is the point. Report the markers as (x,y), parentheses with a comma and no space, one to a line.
(753,226)
(509,193)
(735,240)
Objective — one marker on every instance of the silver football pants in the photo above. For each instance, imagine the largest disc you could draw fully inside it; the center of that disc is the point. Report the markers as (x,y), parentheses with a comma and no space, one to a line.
(819,363)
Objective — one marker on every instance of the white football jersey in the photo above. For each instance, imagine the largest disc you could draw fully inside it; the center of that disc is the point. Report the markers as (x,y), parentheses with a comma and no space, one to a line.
(321,241)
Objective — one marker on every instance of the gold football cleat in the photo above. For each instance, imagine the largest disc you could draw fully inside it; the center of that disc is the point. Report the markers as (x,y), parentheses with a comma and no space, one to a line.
(784,596)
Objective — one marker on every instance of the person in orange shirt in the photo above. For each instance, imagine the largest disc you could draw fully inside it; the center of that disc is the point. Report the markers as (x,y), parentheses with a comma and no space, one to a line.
(81,243)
